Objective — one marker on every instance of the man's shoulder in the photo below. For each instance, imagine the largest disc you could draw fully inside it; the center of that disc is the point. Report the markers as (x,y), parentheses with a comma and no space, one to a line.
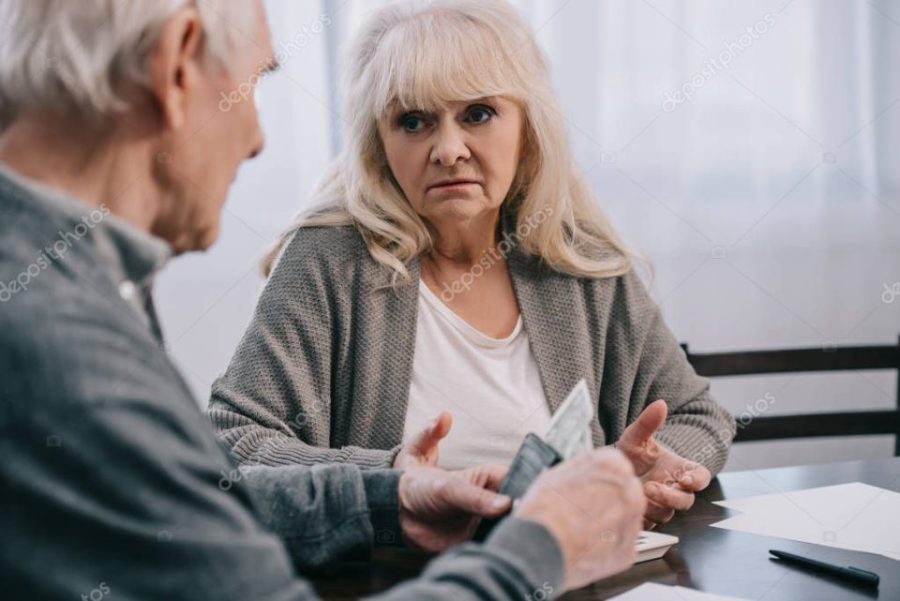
(34,250)
(67,351)
(41,290)
(20,226)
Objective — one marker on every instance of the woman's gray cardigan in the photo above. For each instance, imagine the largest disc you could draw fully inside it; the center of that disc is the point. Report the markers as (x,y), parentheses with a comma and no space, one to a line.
(323,372)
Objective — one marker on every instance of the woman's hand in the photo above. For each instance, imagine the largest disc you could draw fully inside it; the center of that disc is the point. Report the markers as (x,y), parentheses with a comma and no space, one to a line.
(670,480)
(422,449)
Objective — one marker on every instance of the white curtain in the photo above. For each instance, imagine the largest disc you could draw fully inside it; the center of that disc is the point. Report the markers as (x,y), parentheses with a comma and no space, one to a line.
(748,148)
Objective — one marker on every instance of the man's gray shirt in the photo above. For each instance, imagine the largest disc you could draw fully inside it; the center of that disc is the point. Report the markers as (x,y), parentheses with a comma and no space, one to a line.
(112,481)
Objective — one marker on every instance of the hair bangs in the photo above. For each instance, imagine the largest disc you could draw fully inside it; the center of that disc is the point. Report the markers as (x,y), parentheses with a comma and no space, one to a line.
(473,63)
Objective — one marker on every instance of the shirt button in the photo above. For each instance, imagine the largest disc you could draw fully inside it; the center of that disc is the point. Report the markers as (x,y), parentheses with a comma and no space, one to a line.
(127,290)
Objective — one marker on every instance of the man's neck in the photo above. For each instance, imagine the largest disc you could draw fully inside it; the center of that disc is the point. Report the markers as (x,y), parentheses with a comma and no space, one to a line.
(94,169)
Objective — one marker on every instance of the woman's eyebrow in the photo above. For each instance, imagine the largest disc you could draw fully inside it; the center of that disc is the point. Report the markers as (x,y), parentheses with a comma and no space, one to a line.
(396,109)
(481,100)
(399,110)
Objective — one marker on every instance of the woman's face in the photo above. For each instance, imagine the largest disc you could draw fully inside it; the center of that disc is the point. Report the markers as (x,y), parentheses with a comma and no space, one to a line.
(458,163)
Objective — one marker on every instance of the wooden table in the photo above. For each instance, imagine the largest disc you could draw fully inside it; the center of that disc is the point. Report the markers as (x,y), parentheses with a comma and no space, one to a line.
(707,559)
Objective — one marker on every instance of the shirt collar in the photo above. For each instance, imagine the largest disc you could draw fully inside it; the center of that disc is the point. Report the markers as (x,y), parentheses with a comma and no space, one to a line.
(129,254)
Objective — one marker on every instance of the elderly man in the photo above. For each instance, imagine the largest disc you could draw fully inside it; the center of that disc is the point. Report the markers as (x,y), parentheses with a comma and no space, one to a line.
(113,156)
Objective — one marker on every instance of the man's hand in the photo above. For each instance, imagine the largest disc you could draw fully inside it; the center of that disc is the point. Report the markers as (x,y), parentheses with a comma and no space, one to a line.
(593,506)
(670,480)
(439,509)
(422,449)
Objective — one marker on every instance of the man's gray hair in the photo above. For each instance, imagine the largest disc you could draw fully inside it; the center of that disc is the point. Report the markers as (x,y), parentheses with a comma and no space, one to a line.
(69,56)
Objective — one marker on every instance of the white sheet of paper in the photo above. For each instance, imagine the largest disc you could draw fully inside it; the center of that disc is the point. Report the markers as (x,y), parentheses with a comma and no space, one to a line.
(651,591)
(854,516)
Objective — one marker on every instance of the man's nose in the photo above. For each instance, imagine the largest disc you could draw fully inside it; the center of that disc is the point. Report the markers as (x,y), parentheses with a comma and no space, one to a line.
(259,144)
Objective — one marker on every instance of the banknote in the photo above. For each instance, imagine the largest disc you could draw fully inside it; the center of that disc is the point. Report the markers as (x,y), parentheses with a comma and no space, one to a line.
(569,432)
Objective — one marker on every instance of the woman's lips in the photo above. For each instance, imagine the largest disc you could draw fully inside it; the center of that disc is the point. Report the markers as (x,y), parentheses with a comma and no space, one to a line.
(450,186)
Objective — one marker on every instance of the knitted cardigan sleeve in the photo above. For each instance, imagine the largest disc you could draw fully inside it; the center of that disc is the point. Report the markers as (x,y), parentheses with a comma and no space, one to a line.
(644,362)
(273,404)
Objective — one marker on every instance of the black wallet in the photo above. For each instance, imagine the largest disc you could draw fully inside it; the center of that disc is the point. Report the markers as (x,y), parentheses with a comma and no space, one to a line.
(532,458)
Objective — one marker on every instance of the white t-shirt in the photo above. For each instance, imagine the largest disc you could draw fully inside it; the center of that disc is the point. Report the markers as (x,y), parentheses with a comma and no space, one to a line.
(491,386)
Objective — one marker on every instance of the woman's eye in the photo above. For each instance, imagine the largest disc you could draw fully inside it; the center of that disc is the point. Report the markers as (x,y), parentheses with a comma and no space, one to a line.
(412,122)
(480,114)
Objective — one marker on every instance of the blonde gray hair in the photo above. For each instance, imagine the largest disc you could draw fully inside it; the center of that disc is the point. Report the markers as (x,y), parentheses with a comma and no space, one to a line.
(70,56)
(423,54)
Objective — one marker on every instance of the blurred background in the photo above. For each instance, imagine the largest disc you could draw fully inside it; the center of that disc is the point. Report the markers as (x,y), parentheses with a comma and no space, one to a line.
(750,149)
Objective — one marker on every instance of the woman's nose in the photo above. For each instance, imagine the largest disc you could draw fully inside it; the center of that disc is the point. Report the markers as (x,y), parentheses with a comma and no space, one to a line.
(449,146)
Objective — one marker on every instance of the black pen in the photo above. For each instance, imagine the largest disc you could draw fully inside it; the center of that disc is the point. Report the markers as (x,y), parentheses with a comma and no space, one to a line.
(852,574)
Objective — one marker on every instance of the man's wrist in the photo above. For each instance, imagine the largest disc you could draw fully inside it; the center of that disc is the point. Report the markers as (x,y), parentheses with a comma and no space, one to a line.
(383,500)
(530,544)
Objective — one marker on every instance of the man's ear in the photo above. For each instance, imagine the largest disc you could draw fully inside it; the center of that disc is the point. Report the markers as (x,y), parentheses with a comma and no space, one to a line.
(174,65)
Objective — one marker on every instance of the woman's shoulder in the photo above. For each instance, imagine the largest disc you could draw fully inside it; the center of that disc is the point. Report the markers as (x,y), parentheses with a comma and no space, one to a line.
(625,294)
(326,239)
(323,248)
(331,260)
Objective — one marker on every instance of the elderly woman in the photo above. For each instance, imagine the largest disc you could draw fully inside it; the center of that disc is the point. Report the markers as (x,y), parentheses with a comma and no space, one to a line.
(455,261)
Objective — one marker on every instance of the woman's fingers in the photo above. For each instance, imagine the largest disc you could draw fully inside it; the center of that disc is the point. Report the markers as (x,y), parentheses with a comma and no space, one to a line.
(426,441)
(429,437)
(651,419)
(637,441)
(422,449)
(657,514)
(442,426)
(695,479)
(669,496)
